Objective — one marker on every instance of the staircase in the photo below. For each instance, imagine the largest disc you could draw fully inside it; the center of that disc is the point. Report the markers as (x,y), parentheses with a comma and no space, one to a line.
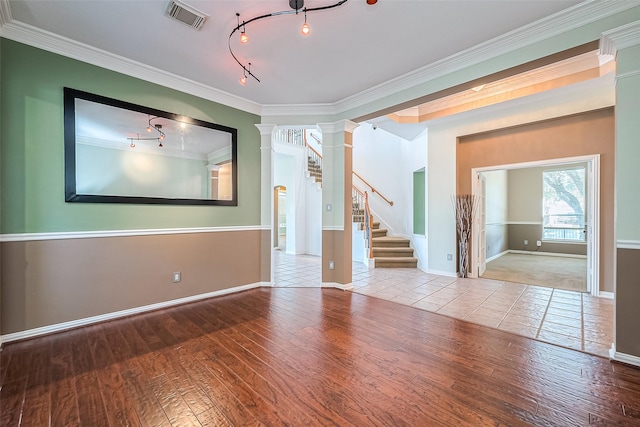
(391,251)
(388,251)
(314,170)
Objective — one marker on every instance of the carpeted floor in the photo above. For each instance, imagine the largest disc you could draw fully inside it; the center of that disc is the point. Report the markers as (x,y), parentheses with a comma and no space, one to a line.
(550,271)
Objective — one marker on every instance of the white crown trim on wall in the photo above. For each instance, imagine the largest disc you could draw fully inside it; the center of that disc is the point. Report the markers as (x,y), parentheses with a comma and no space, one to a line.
(51,42)
(620,38)
(28,237)
(543,29)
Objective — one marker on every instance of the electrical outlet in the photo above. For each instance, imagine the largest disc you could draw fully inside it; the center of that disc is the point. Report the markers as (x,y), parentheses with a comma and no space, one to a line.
(526,242)
(538,243)
(176,276)
(331,265)
(449,257)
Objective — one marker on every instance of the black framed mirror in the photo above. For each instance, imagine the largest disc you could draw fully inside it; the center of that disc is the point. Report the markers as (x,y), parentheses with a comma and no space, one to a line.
(119,152)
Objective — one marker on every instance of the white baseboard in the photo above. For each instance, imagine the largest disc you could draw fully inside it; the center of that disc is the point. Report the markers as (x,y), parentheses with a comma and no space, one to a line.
(347,287)
(605,294)
(622,357)
(59,327)
(441,273)
(266,284)
(498,255)
(513,251)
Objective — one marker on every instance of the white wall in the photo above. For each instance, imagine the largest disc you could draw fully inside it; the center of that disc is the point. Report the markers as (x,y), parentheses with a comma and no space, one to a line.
(387,162)
(313,217)
(415,158)
(441,186)
(304,200)
(378,158)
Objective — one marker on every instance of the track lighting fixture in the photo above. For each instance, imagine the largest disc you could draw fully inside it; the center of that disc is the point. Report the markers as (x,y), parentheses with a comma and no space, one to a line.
(305,30)
(150,128)
(297,6)
(243,80)
(244,38)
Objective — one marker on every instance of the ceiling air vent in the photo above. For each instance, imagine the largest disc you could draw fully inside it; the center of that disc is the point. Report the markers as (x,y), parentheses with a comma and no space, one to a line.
(186,14)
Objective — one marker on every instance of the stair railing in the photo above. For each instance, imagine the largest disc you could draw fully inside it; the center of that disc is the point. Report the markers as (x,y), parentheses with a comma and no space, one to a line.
(373,189)
(291,136)
(361,213)
(314,156)
(368,224)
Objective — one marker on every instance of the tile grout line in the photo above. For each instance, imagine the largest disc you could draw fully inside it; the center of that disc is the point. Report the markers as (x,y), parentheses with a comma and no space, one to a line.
(512,305)
(582,321)
(544,316)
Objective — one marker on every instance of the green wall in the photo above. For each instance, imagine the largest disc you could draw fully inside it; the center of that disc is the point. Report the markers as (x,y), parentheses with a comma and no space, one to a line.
(419,202)
(32,154)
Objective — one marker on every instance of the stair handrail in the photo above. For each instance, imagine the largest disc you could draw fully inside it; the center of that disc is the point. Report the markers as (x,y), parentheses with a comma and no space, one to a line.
(368,224)
(373,189)
(361,200)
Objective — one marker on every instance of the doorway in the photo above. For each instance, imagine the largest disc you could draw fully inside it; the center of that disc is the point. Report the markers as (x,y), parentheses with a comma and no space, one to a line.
(280,218)
(547,226)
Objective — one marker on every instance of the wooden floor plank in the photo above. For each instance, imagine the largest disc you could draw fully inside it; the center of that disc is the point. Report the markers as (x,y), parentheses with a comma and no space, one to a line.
(270,357)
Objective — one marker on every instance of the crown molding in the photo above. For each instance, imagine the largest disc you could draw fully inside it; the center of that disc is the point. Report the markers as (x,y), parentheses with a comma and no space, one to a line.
(298,109)
(620,38)
(36,37)
(337,127)
(561,22)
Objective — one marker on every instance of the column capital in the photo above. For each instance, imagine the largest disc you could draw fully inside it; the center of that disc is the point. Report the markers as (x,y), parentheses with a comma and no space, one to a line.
(265,129)
(339,126)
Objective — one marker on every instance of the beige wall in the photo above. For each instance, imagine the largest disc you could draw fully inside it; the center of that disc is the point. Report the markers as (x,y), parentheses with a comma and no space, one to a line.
(525,195)
(54,281)
(581,134)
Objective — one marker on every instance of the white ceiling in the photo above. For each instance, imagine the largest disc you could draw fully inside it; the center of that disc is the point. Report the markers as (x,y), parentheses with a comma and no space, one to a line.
(352,48)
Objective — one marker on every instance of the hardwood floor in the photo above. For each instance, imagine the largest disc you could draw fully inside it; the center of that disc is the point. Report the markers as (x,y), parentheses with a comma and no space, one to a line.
(306,357)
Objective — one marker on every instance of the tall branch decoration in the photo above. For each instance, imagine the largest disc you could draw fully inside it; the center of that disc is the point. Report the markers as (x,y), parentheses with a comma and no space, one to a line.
(464,206)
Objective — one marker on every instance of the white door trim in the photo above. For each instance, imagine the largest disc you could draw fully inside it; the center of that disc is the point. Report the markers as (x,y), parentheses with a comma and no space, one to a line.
(593,208)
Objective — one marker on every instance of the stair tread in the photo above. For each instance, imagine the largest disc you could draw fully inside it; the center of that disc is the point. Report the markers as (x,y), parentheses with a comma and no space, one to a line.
(400,249)
(391,238)
(396,258)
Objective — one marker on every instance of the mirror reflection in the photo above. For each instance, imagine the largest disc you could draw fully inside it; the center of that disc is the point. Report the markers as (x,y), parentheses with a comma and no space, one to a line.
(121,152)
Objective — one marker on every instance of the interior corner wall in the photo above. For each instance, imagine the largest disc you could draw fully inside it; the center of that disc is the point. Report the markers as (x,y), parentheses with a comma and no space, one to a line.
(48,280)
(569,136)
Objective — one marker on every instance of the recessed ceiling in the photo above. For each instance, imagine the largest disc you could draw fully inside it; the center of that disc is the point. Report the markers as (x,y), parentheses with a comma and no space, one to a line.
(352,48)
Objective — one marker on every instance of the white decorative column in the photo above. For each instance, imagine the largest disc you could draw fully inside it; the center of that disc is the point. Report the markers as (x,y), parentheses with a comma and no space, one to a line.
(337,169)
(266,202)
(624,44)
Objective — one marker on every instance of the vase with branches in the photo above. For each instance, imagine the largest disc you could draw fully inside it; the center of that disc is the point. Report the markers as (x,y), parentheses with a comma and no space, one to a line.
(464,206)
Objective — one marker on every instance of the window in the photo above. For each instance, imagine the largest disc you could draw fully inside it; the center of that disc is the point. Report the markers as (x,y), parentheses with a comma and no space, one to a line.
(563,204)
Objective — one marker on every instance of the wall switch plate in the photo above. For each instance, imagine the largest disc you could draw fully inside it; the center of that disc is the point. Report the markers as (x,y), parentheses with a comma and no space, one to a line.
(449,257)
(331,265)
(539,243)
(526,242)
(176,277)
(329,207)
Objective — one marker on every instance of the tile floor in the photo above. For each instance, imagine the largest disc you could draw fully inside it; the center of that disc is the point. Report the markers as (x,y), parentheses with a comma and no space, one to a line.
(570,319)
